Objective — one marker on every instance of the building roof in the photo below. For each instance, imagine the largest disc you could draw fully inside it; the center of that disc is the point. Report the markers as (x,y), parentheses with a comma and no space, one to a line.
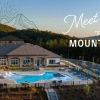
(26,49)
(5,49)
(10,38)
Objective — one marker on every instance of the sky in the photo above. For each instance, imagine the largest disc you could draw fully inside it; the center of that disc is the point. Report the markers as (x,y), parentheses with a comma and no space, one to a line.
(49,14)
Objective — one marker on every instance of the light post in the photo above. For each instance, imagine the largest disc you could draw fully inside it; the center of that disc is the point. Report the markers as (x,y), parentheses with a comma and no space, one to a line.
(93,66)
(68,57)
(68,53)
(93,60)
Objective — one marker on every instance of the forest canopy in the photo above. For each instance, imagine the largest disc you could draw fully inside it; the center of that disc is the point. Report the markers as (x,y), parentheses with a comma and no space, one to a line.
(55,42)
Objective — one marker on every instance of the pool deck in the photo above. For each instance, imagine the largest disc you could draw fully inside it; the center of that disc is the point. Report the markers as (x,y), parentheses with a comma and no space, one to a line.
(2,81)
(40,72)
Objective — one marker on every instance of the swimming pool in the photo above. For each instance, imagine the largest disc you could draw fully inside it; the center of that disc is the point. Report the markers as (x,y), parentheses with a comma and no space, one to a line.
(79,75)
(35,78)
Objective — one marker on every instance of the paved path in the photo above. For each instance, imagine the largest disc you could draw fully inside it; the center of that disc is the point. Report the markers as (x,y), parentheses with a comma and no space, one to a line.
(2,81)
(51,93)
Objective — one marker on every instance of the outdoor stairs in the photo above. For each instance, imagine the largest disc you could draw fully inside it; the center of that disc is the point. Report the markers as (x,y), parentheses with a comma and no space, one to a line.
(51,93)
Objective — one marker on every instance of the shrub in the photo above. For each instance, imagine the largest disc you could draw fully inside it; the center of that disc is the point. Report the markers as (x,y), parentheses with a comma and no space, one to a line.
(7,98)
(86,89)
(32,89)
(8,90)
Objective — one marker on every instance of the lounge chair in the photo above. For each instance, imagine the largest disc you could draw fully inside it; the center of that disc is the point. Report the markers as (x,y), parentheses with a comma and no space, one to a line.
(71,71)
(23,69)
(27,69)
(60,81)
(54,81)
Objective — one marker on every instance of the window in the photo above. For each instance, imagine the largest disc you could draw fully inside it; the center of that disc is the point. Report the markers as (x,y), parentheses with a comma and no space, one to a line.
(39,61)
(26,61)
(14,61)
(35,61)
(52,61)
(3,61)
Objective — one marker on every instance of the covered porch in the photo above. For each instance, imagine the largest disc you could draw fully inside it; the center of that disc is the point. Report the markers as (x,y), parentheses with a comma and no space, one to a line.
(26,62)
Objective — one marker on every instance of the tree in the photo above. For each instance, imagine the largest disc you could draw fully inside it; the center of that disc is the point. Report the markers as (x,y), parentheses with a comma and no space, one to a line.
(93,70)
(87,89)
(31,90)
(83,67)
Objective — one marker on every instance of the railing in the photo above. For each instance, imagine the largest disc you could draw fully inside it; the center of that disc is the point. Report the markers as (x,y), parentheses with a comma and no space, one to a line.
(47,85)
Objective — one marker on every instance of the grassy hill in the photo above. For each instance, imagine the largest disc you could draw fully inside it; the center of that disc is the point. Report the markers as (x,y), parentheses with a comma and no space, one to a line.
(5,28)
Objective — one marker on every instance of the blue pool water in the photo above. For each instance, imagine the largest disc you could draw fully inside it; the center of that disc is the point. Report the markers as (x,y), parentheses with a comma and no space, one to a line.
(83,77)
(35,78)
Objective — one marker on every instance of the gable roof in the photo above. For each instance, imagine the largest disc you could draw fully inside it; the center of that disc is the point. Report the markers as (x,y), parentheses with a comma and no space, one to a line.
(27,49)
(10,38)
(5,49)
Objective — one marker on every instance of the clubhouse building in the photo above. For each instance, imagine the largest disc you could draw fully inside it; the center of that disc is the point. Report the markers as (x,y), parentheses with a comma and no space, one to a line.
(15,53)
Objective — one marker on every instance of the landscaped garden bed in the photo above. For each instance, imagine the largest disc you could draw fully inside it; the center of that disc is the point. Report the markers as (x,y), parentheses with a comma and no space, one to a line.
(21,69)
(81,92)
(29,93)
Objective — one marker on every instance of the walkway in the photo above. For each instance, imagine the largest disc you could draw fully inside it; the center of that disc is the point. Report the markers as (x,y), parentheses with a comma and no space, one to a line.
(72,64)
(51,94)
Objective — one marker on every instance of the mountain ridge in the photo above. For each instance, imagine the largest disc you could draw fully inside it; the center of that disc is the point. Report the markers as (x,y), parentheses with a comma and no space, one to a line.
(97,37)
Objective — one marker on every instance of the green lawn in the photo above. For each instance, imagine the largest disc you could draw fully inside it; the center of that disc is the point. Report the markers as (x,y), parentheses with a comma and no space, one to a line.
(51,68)
(20,69)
